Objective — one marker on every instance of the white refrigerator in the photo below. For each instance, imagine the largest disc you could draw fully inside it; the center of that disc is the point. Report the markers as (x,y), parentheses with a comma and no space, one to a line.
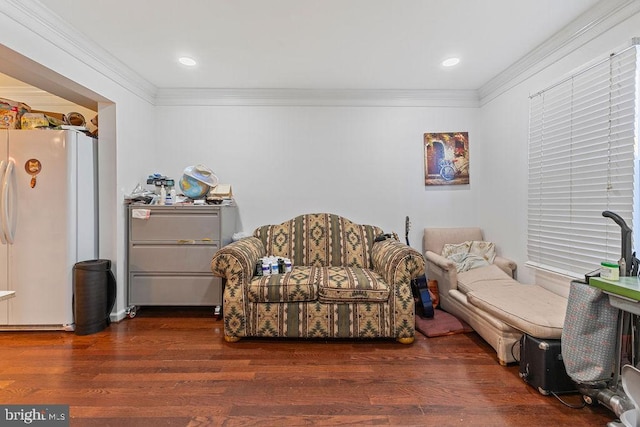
(48,223)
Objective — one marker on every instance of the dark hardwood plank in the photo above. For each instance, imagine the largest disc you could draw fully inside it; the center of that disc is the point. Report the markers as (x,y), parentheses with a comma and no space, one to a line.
(170,366)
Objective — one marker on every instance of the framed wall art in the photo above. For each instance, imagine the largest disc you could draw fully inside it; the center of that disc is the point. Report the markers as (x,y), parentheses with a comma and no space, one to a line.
(446,158)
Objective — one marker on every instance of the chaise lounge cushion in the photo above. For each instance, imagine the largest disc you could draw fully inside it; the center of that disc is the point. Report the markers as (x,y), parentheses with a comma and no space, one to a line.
(529,308)
(470,254)
(482,277)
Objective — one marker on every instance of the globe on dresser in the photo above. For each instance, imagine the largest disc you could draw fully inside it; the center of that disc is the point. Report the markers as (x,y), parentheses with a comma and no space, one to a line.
(192,188)
(196,181)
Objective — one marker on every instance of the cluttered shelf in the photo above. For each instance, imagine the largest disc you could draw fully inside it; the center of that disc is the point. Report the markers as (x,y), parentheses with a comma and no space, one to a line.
(198,185)
(18,115)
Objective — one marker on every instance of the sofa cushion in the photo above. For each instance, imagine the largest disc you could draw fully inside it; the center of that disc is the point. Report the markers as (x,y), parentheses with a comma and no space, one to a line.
(481,277)
(301,284)
(470,254)
(320,240)
(529,308)
(486,250)
(351,284)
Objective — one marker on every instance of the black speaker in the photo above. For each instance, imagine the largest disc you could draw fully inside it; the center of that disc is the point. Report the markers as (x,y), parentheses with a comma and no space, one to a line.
(542,367)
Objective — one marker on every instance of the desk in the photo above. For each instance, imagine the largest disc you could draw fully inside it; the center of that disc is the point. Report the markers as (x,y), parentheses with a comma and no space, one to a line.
(623,294)
(7,294)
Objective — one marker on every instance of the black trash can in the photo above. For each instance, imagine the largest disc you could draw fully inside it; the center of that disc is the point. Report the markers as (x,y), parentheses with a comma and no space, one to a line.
(94,295)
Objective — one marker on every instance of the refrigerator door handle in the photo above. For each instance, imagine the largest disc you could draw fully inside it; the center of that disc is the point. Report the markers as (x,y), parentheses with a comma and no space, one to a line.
(3,168)
(9,218)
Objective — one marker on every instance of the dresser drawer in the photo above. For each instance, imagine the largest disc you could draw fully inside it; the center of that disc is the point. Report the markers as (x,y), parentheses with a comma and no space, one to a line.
(188,258)
(172,225)
(184,289)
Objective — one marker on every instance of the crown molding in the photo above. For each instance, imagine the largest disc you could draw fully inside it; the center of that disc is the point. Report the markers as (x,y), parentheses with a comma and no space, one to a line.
(32,14)
(317,97)
(600,18)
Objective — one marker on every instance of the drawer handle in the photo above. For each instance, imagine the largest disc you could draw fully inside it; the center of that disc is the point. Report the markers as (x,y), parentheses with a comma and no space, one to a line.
(192,241)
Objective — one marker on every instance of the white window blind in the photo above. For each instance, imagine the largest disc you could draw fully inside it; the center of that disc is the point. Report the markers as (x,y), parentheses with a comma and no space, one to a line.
(582,148)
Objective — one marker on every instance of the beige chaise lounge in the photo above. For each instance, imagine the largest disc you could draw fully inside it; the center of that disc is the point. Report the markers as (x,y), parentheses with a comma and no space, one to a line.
(488,298)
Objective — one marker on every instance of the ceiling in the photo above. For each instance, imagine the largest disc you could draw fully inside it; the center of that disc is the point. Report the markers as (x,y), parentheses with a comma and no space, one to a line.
(318,44)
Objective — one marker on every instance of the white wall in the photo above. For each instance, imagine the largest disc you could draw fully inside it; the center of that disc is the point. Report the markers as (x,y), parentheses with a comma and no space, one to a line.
(365,163)
(503,125)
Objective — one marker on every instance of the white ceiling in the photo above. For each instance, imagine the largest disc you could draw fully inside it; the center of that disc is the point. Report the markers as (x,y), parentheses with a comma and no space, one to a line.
(319,44)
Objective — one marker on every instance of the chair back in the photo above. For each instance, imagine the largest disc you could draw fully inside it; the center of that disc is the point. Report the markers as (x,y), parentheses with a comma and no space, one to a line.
(320,240)
(434,239)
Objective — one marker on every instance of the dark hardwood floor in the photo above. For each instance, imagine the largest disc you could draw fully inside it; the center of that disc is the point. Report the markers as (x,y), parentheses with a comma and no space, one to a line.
(171,367)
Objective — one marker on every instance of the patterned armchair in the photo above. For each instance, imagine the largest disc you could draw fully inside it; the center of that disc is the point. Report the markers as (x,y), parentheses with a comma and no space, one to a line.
(343,284)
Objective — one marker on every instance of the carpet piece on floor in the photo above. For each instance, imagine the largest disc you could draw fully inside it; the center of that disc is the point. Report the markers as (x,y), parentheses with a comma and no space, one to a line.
(441,324)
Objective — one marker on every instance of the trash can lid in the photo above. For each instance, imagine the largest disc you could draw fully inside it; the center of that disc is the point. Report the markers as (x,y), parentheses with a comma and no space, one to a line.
(94,265)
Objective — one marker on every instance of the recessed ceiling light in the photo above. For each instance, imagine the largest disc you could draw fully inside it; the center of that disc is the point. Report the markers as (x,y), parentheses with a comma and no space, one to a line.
(450,62)
(189,62)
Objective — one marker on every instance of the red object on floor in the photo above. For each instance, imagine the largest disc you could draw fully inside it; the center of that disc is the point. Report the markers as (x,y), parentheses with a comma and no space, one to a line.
(441,324)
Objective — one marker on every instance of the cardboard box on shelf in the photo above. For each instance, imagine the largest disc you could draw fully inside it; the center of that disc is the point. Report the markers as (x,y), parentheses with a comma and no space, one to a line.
(8,105)
(8,119)
(222,191)
(58,116)
(33,121)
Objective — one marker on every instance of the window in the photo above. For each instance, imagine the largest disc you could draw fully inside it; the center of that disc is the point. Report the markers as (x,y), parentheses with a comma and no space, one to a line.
(582,156)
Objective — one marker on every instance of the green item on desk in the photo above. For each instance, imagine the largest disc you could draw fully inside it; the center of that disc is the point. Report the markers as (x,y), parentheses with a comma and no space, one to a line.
(626,286)
(610,271)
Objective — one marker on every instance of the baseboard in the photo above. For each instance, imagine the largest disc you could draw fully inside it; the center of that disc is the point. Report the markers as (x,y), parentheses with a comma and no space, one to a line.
(118,315)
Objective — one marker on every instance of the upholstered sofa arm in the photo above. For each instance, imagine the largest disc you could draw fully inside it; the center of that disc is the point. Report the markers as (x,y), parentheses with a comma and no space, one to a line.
(442,270)
(506,265)
(236,262)
(442,262)
(396,262)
